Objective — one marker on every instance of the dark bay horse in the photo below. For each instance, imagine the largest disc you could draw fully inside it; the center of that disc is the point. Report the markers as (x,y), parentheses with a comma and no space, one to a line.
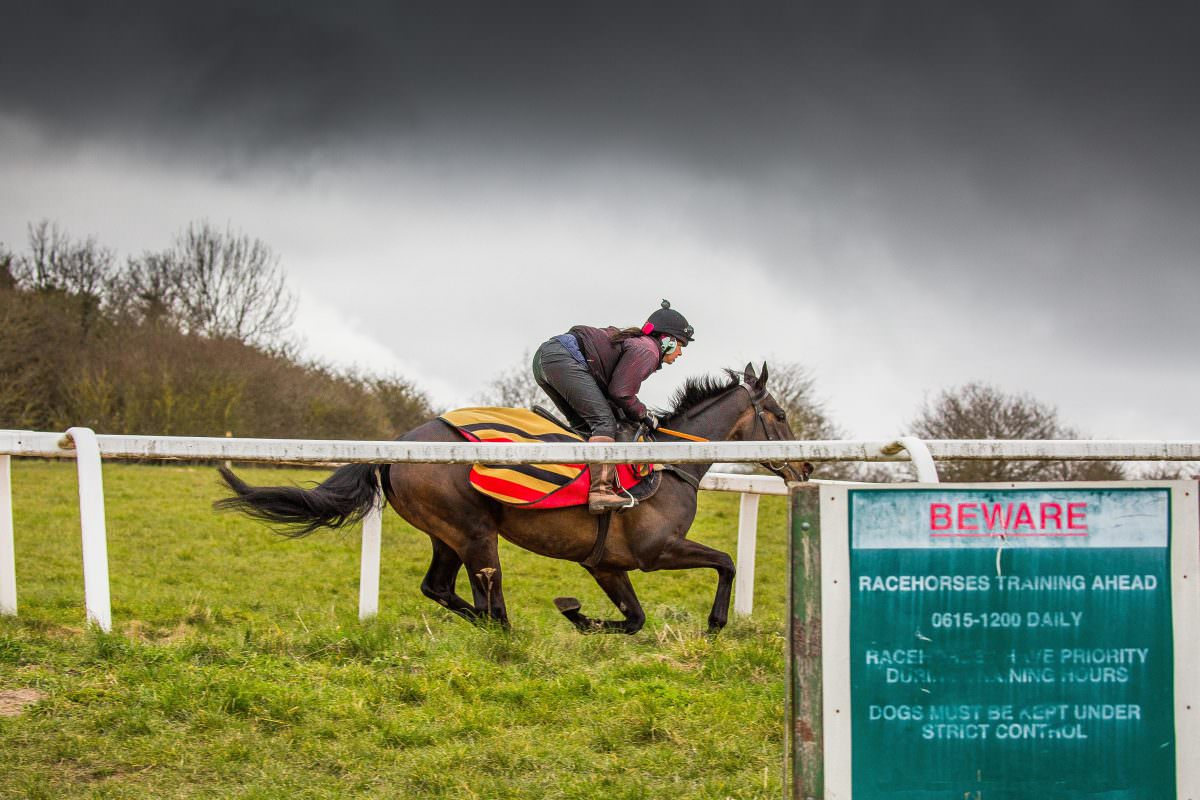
(464,525)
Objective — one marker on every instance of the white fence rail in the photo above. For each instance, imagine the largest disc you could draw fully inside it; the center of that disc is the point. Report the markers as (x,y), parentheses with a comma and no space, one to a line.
(88,449)
(57,445)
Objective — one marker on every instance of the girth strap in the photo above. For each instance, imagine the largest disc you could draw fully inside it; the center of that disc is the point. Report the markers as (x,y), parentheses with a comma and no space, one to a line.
(597,554)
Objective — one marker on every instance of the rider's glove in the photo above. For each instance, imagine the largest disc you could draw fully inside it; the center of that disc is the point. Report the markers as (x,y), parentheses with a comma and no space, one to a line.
(650,421)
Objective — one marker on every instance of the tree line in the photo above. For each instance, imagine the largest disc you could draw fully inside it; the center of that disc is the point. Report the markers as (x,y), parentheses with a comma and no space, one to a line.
(193,340)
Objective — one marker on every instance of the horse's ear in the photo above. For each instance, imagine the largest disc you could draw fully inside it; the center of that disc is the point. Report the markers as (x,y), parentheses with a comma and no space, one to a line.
(762,376)
(749,375)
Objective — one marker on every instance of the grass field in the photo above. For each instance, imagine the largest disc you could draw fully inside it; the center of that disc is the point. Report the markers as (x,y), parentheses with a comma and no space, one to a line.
(237,667)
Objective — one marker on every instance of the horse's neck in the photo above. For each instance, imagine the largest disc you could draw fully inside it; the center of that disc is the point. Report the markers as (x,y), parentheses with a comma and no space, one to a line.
(717,423)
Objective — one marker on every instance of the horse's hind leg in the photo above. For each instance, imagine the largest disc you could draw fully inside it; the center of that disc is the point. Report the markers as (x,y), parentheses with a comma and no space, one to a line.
(482,560)
(461,523)
(440,579)
(617,586)
(686,554)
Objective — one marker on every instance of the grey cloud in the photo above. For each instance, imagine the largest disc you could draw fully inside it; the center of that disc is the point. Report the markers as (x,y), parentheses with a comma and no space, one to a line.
(1025,151)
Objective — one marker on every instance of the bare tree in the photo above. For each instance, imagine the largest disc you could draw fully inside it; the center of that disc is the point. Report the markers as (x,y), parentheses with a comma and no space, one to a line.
(794,388)
(226,285)
(57,263)
(981,411)
(147,290)
(80,270)
(515,388)
(219,284)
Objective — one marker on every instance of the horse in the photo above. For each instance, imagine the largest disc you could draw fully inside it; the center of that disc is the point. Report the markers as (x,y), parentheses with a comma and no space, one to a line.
(464,525)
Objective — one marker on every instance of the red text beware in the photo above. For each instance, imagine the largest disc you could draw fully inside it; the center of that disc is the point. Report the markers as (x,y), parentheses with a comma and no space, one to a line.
(991,518)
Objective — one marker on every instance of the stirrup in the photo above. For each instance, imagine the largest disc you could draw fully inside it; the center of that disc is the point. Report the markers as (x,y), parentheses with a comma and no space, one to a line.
(603,502)
(627,496)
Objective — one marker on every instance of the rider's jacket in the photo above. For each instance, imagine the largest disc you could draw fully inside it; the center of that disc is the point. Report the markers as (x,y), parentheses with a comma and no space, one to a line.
(619,367)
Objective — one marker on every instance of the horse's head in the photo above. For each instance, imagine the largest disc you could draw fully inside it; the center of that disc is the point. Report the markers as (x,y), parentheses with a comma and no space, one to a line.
(765,420)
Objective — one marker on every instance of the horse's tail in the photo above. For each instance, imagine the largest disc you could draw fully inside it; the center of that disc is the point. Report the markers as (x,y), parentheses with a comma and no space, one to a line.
(344,497)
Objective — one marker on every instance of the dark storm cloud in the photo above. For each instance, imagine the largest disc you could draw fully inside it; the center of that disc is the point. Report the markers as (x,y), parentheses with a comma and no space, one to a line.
(1051,144)
(738,84)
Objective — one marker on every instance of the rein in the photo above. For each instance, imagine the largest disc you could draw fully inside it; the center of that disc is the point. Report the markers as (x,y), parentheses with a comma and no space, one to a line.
(682,435)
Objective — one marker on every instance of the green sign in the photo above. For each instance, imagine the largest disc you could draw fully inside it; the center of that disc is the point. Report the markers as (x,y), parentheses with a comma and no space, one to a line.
(1011,643)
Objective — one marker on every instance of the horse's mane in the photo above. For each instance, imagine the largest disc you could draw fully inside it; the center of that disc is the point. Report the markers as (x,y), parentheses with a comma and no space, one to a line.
(698,389)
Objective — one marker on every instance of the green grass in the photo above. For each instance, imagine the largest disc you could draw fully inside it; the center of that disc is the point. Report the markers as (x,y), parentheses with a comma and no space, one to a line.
(238,669)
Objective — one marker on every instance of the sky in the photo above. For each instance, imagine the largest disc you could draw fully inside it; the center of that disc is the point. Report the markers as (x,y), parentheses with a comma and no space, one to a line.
(898,197)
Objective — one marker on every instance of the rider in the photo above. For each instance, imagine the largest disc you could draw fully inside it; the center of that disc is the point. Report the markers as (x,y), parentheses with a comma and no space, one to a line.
(586,369)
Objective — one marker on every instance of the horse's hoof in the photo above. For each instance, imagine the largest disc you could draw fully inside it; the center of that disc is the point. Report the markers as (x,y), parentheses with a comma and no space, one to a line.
(566,605)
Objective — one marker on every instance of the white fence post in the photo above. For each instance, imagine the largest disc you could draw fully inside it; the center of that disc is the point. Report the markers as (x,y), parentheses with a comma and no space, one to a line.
(368,575)
(8,553)
(743,596)
(91,520)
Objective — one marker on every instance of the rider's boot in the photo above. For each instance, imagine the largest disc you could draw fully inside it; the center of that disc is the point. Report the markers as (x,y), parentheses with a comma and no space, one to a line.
(601,497)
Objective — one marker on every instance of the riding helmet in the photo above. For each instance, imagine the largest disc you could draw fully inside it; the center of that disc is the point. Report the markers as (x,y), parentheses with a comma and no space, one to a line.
(668,320)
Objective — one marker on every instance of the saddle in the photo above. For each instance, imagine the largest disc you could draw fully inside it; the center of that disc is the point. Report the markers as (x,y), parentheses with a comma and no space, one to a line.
(539,486)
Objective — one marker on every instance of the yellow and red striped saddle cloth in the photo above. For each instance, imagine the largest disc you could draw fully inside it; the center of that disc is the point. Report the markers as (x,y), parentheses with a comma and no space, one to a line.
(531,485)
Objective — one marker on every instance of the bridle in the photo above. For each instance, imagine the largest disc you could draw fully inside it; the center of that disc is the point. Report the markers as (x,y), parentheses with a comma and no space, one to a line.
(759,416)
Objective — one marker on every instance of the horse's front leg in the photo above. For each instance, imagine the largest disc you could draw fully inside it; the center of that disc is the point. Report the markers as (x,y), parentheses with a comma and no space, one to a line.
(686,554)
(617,586)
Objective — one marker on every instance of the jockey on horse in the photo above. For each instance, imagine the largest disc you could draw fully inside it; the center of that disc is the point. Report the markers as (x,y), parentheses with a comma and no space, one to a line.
(589,371)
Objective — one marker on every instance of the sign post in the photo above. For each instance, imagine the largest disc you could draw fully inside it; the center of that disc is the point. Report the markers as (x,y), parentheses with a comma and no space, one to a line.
(805,746)
(1005,641)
